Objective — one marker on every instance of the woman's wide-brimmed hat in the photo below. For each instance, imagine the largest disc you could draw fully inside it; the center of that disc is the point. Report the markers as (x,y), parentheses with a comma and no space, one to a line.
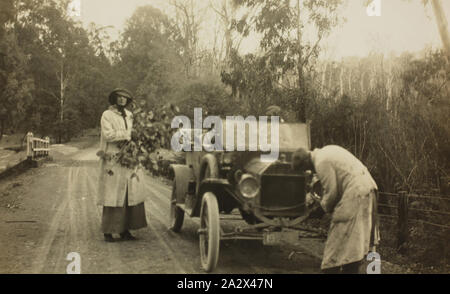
(122,92)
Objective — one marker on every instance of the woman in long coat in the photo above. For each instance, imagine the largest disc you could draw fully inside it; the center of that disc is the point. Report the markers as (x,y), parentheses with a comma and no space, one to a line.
(119,193)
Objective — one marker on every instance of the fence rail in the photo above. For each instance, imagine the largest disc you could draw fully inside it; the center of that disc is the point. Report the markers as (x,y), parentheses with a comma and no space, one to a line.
(402,218)
(37,147)
(417,196)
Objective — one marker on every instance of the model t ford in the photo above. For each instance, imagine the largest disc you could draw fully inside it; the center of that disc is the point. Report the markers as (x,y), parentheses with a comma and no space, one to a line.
(269,196)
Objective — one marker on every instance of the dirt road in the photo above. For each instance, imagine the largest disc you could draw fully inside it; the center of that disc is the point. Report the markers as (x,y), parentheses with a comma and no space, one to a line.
(49,212)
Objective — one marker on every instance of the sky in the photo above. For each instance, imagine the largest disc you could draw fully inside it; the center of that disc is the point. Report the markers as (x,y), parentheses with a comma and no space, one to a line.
(402,26)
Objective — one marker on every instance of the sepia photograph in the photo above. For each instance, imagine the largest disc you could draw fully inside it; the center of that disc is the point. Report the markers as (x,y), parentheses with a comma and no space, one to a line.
(243,137)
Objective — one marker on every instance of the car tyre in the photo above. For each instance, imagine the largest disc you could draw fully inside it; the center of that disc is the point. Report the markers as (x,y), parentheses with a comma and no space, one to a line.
(176,213)
(209,232)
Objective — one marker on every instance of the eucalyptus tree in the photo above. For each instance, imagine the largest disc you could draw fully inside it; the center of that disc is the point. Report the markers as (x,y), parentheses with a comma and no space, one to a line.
(16,83)
(286,50)
(149,55)
(61,57)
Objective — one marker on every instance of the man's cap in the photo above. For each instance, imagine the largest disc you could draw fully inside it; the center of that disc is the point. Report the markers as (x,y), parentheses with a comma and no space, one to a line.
(273,110)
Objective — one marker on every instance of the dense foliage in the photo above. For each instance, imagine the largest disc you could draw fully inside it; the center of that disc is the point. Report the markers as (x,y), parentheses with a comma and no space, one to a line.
(151,133)
(392,113)
(53,80)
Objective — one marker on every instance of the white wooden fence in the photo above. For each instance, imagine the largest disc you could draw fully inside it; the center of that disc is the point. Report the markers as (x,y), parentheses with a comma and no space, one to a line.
(37,147)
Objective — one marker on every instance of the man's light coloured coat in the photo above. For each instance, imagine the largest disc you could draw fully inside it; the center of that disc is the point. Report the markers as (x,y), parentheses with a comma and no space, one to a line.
(349,194)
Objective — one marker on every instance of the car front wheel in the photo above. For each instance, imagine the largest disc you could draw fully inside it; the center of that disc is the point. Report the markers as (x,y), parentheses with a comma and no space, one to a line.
(209,232)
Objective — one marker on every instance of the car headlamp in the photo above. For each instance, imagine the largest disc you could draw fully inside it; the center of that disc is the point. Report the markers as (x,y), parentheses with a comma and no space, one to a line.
(227,158)
(249,186)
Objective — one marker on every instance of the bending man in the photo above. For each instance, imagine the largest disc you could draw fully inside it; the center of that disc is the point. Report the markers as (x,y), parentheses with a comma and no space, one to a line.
(350,194)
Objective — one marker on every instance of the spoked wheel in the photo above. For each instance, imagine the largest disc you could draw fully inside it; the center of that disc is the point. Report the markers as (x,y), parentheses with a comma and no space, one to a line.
(209,232)
(176,213)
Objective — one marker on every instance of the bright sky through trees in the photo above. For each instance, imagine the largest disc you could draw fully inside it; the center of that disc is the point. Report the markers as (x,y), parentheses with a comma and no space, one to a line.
(403,25)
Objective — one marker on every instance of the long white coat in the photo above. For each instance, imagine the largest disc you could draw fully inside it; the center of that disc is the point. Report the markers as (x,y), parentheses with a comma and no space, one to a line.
(349,195)
(114,179)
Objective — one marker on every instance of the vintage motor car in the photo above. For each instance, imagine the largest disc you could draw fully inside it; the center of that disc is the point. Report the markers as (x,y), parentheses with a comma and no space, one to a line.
(269,196)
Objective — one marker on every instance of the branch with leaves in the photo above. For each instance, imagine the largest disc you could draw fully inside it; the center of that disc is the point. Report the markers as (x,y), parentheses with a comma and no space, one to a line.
(151,132)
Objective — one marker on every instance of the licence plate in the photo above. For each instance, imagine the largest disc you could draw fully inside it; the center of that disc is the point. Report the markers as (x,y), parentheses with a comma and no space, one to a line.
(279,238)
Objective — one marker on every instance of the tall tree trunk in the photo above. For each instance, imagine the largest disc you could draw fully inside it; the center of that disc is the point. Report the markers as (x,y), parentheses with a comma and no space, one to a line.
(301,99)
(299,40)
(442,24)
(62,92)
(2,128)
(228,37)
(189,23)
(62,98)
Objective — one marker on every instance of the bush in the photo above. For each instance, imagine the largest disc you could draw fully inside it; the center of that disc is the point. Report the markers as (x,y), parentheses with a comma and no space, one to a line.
(209,94)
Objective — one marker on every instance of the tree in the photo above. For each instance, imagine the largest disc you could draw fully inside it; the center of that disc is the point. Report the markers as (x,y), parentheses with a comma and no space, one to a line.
(16,84)
(149,60)
(189,19)
(7,13)
(282,24)
(227,12)
(100,40)
(442,23)
(210,95)
(252,82)
(68,75)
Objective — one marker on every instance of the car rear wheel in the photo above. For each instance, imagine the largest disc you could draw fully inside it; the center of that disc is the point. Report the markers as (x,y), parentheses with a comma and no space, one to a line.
(209,232)
(176,213)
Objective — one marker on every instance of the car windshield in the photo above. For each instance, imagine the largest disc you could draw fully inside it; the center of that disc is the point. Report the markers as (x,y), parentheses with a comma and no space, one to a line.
(291,136)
